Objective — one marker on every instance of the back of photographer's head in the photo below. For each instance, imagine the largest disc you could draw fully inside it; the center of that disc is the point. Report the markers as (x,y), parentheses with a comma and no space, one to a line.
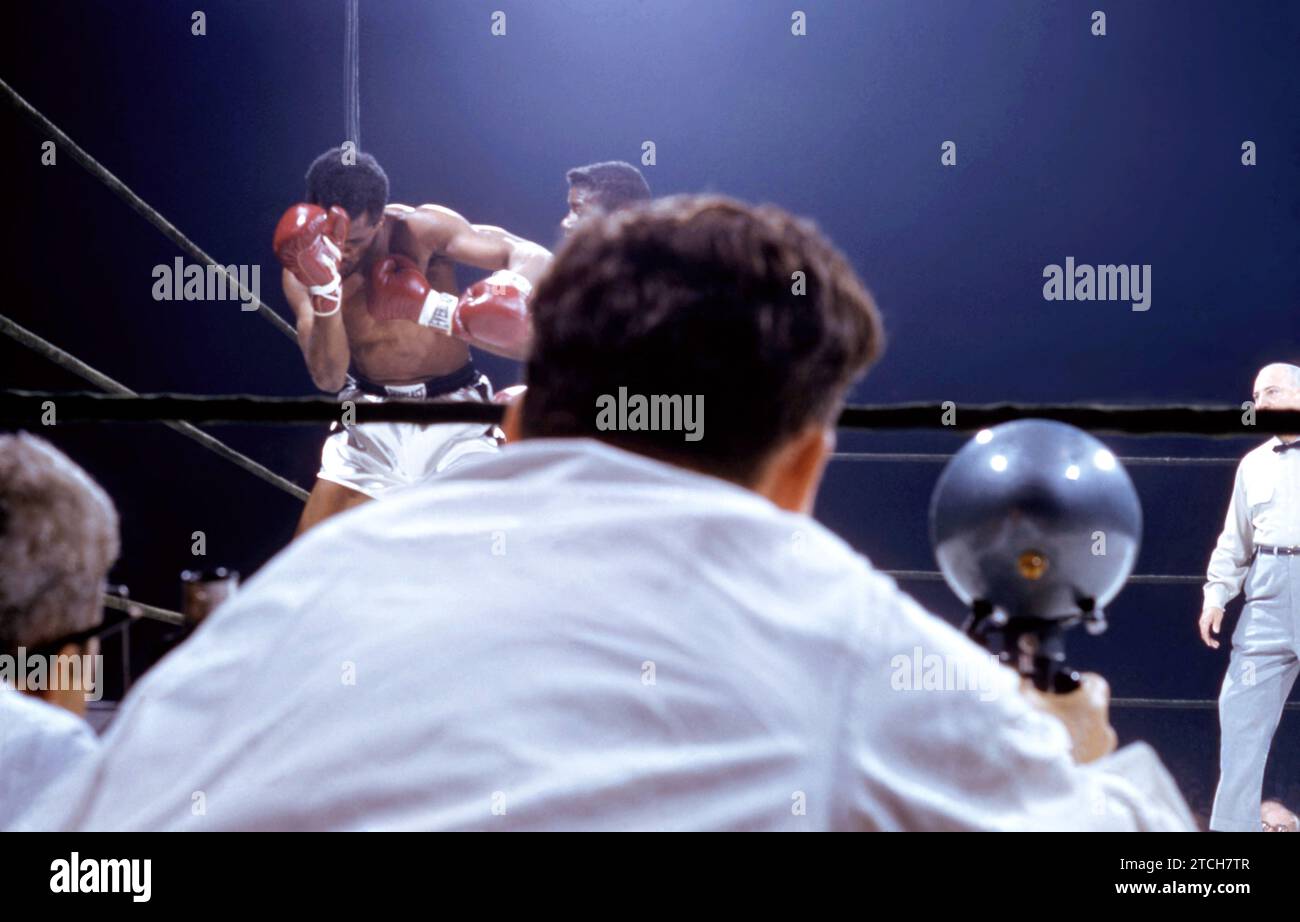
(58,538)
(747,314)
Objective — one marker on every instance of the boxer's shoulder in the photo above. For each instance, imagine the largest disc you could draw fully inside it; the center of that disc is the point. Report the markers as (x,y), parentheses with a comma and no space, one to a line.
(430,211)
(403,218)
(401,233)
(428,224)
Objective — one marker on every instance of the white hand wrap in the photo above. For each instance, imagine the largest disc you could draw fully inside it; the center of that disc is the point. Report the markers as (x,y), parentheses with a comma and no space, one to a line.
(331,291)
(439,308)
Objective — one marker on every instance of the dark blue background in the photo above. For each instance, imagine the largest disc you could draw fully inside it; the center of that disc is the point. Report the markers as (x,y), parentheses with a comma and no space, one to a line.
(1122,149)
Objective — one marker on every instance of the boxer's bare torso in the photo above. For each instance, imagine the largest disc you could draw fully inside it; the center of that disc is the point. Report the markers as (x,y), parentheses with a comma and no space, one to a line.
(344,334)
(399,351)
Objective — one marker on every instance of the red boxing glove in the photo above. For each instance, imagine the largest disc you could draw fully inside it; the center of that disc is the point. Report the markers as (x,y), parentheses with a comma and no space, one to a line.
(399,291)
(307,242)
(494,312)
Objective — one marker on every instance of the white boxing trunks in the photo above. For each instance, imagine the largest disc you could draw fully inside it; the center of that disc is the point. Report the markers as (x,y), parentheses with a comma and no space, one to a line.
(374,458)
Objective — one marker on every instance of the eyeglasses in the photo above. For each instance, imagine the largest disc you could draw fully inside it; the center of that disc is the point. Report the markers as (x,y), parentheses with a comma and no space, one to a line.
(114,622)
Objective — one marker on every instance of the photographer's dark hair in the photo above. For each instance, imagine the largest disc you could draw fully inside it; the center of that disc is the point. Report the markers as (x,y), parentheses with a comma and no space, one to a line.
(699,295)
(360,188)
(614,184)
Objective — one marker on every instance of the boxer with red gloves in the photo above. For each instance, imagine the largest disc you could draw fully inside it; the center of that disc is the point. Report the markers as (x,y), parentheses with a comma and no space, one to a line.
(492,312)
(372,288)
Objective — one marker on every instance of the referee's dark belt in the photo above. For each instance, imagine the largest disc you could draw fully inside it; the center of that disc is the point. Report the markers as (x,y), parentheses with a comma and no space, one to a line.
(1279,551)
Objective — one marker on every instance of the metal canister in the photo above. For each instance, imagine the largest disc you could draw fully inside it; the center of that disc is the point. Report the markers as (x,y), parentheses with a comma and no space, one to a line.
(203,590)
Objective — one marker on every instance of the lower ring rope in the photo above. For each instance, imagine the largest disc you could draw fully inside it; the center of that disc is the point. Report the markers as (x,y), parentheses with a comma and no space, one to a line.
(1149,579)
(79,368)
(1174,704)
(941,458)
(141,610)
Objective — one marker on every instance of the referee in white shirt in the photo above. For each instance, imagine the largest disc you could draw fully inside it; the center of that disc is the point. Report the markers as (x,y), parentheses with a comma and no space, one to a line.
(1260,547)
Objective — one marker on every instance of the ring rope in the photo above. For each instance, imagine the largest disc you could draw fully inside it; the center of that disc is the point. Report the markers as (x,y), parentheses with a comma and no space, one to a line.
(23,406)
(1172,704)
(1219,421)
(1147,579)
(120,391)
(143,208)
(941,457)
(141,610)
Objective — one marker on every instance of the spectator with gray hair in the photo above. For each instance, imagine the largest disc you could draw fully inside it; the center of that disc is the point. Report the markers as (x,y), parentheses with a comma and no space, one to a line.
(58,538)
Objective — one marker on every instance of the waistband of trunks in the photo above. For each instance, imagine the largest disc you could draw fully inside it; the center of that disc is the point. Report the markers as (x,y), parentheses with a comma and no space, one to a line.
(465,376)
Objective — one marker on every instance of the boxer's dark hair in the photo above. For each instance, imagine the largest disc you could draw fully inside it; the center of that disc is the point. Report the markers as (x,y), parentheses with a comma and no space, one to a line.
(360,188)
(614,183)
(749,307)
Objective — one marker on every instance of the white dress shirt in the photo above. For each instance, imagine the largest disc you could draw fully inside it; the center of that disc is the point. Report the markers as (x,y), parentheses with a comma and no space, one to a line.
(39,744)
(1264,510)
(570,636)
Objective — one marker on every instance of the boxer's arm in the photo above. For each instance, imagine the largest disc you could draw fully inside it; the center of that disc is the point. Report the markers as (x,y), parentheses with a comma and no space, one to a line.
(323,339)
(479,245)
(492,313)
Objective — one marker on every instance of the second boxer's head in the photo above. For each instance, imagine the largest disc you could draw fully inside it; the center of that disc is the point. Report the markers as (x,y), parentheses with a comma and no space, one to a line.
(602,188)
